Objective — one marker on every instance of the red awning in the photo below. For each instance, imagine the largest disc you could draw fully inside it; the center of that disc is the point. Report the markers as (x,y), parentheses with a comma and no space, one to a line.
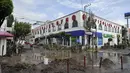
(5,34)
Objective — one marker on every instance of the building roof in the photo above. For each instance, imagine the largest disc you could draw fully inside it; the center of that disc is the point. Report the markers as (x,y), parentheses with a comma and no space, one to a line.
(5,34)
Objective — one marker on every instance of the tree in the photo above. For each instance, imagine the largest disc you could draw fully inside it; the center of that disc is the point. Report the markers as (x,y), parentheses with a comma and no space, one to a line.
(6,8)
(89,24)
(124,37)
(21,29)
(10,20)
(124,31)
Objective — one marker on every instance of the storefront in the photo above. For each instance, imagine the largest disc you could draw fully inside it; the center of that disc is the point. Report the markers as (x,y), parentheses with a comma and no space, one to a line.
(107,36)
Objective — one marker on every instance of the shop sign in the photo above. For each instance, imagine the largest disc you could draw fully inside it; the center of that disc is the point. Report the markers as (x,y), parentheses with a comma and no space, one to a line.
(108,36)
(100,41)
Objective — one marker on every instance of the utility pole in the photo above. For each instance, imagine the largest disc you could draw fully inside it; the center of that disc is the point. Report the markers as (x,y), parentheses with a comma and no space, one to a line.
(91,30)
(128,29)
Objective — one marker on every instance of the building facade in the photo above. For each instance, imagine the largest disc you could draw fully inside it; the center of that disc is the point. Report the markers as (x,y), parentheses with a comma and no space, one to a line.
(4,37)
(73,24)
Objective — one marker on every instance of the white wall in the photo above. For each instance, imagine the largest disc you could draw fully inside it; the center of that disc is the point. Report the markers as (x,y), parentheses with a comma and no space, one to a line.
(4,26)
(2,42)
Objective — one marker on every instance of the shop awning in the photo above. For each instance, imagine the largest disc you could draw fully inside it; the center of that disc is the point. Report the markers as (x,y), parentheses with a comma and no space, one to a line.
(5,34)
(98,34)
(76,33)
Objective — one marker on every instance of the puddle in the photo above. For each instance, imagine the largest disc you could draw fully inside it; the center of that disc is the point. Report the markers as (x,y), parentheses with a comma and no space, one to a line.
(110,60)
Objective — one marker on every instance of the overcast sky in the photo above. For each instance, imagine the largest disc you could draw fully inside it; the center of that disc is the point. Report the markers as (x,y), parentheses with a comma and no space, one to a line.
(43,10)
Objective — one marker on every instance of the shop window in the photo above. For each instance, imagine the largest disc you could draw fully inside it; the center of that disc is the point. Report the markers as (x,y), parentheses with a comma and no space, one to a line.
(100,27)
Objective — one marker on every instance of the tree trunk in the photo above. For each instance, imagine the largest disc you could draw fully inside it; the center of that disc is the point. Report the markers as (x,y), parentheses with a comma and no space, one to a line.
(1,21)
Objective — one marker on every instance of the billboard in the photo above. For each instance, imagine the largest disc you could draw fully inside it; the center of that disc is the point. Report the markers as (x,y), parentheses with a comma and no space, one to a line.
(127,15)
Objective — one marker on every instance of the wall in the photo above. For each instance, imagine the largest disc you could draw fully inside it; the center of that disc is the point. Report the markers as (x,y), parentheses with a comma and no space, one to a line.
(2,42)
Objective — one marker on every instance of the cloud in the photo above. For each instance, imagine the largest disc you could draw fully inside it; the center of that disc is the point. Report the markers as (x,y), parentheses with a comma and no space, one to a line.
(60,14)
(27,1)
(69,3)
(25,11)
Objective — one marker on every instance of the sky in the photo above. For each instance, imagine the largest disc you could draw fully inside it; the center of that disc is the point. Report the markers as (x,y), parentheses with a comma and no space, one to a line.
(42,10)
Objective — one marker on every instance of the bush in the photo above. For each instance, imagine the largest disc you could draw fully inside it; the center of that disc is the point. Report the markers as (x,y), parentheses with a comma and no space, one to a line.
(121,46)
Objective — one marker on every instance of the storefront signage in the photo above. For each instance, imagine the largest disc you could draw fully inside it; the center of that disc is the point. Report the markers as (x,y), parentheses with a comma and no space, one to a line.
(108,36)
(100,41)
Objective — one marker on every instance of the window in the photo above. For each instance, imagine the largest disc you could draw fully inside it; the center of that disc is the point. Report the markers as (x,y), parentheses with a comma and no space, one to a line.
(66,26)
(53,27)
(49,30)
(113,29)
(43,30)
(59,27)
(40,31)
(75,22)
(118,30)
(105,28)
(100,27)
(109,28)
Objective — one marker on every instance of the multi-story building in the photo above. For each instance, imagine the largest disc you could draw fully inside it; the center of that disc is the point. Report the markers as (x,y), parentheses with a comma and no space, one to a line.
(73,24)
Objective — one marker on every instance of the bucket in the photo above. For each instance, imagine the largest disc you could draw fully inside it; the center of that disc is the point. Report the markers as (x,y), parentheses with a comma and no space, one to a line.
(45,61)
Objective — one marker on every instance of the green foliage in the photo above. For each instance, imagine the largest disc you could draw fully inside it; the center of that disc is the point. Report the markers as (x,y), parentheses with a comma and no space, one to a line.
(21,29)
(90,23)
(124,31)
(6,8)
(124,36)
(10,20)
(110,39)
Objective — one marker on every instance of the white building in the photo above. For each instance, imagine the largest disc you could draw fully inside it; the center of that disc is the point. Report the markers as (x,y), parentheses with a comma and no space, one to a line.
(73,24)
(3,38)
